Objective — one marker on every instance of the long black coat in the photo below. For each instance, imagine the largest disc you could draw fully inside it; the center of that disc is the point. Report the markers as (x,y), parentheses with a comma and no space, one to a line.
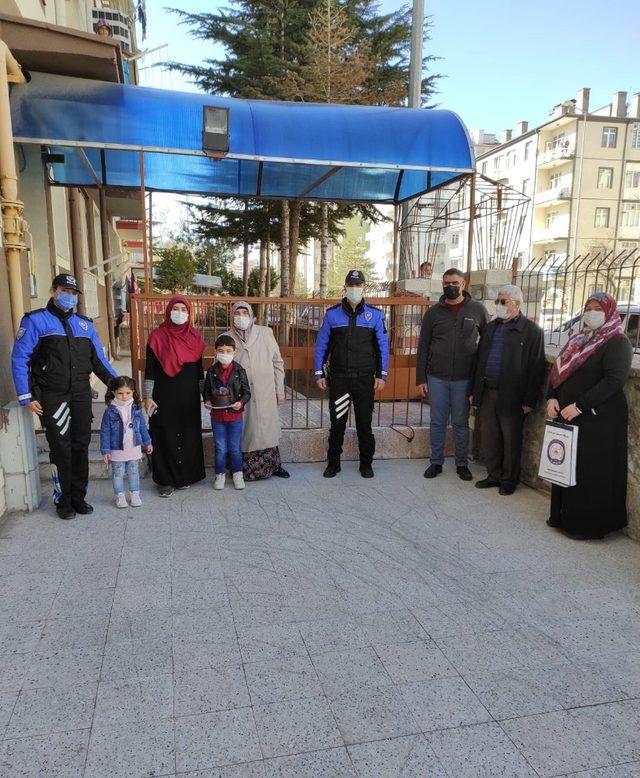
(521,369)
(597,504)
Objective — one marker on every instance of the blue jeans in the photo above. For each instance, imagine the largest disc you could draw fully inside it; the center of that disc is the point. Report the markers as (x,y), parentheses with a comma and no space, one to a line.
(228,438)
(449,398)
(132,469)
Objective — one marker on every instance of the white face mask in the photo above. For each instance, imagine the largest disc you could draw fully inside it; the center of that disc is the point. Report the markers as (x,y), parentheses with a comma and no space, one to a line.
(123,403)
(242,322)
(354,294)
(502,312)
(179,317)
(224,359)
(593,319)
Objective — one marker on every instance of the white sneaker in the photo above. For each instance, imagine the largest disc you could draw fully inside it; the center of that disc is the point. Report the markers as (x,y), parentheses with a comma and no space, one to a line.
(219,481)
(136,502)
(121,501)
(238,480)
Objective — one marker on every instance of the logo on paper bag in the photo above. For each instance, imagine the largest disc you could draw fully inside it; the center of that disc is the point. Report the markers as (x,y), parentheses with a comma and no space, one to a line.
(556,452)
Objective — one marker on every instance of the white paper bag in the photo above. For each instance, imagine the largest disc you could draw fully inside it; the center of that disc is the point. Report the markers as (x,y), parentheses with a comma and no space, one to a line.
(559,453)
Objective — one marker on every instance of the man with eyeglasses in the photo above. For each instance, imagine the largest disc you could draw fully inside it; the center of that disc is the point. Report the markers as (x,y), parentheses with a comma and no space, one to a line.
(507,386)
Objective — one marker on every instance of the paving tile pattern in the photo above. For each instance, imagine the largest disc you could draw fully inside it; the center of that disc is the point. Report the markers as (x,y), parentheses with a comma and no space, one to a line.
(313,628)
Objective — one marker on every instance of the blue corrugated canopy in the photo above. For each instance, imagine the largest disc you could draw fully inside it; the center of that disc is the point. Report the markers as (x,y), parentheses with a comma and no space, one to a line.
(276,149)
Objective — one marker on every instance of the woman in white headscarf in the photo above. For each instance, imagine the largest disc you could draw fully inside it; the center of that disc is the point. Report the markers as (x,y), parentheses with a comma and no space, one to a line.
(259,355)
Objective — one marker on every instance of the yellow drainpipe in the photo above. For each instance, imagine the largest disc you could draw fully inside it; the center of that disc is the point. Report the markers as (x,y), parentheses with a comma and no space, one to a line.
(12,207)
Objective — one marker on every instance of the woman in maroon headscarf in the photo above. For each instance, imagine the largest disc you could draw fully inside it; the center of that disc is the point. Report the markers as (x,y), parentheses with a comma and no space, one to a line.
(586,389)
(172,399)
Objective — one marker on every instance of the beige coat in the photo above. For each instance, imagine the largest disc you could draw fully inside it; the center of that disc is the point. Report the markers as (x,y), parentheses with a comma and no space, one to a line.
(260,357)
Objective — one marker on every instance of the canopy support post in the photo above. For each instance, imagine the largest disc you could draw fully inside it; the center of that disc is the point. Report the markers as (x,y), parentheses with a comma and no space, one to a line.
(108,280)
(145,248)
(472,217)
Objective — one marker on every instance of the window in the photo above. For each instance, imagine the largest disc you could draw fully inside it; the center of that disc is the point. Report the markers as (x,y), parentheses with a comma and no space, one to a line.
(554,180)
(525,186)
(551,218)
(630,215)
(497,163)
(632,179)
(609,137)
(635,137)
(605,177)
(484,167)
(455,241)
(602,217)
(527,149)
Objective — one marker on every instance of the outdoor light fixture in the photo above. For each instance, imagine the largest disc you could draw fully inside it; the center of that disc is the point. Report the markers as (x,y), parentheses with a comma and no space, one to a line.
(215,129)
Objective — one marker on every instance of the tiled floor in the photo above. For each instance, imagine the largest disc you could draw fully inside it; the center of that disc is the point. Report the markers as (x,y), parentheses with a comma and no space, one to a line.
(303,628)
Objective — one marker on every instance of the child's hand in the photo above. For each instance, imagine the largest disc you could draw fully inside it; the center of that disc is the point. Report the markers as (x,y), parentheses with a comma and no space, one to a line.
(237,406)
(207,404)
(106,458)
(149,449)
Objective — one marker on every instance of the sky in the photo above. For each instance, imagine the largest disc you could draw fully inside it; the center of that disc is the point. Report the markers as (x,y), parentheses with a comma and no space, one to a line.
(503,61)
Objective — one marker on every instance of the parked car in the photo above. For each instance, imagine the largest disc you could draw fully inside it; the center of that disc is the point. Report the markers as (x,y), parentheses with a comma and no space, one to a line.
(629,312)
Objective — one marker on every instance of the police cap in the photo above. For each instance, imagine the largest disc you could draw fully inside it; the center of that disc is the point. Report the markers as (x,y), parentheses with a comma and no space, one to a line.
(66,279)
(354,277)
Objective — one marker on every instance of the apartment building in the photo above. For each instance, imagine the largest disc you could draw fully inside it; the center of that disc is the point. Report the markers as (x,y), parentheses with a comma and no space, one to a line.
(582,170)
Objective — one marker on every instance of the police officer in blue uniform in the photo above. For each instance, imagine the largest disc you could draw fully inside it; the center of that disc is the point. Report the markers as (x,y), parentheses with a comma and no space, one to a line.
(352,357)
(54,354)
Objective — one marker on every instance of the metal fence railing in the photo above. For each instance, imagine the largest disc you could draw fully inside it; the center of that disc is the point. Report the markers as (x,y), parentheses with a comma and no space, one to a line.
(295,323)
(555,292)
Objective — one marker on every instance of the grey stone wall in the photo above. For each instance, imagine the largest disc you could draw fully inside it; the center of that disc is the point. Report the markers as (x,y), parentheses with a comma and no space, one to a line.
(534,429)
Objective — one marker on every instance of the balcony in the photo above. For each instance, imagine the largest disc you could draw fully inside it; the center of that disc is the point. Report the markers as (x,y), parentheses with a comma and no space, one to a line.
(556,154)
(555,196)
(629,233)
(558,231)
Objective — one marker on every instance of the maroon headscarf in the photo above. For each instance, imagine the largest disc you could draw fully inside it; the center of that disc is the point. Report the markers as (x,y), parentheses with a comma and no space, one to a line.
(583,345)
(176,344)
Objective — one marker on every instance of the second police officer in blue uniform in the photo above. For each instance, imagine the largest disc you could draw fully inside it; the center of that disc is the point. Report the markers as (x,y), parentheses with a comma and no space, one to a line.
(55,352)
(352,357)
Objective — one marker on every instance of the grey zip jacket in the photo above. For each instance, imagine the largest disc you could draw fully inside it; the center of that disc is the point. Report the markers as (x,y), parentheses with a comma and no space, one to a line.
(448,343)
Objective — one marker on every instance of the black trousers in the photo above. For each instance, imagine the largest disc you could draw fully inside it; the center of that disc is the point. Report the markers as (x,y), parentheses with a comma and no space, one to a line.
(67,422)
(500,440)
(343,391)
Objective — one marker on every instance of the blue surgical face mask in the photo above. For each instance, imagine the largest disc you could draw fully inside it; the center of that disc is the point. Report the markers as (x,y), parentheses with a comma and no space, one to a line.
(66,301)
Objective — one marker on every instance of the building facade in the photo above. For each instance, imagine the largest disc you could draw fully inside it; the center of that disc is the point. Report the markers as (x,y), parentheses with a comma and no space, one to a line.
(582,170)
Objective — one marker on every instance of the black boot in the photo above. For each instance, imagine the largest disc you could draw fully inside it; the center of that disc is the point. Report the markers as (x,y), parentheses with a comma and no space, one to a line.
(366,471)
(82,506)
(464,473)
(331,470)
(432,471)
(65,510)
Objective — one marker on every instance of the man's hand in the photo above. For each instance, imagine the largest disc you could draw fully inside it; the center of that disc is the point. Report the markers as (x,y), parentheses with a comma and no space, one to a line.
(570,412)
(378,384)
(526,409)
(322,383)
(106,458)
(280,399)
(149,449)
(207,404)
(35,407)
(424,389)
(553,408)
(149,405)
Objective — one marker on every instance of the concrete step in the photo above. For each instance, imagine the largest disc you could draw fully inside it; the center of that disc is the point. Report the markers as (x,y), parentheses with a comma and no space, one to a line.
(97,468)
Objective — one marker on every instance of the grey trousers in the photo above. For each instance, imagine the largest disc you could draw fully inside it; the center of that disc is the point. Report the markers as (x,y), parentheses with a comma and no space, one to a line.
(500,440)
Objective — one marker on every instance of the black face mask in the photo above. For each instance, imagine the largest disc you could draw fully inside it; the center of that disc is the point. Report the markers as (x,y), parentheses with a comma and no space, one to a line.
(451,292)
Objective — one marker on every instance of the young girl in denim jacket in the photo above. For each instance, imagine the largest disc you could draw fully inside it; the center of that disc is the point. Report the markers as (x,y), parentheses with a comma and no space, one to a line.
(123,434)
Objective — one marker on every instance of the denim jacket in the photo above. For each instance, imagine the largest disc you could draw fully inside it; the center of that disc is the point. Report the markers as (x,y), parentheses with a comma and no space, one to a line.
(112,430)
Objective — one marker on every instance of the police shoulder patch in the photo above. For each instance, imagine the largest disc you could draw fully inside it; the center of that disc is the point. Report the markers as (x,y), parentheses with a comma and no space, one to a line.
(20,333)
(368,315)
(84,325)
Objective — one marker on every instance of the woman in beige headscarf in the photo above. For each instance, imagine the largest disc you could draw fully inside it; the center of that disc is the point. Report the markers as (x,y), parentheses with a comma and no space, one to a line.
(259,355)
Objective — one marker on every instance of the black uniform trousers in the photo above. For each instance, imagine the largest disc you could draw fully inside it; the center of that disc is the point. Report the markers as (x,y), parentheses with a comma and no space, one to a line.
(500,440)
(67,420)
(343,391)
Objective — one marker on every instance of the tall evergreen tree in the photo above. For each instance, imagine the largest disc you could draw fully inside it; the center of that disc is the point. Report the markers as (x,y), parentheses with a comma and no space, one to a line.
(267,48)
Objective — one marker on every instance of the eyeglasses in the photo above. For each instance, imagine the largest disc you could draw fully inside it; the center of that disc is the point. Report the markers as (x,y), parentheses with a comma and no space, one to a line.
(501,302)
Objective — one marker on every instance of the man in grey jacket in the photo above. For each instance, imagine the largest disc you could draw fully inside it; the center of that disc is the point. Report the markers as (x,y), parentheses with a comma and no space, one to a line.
(447,351)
